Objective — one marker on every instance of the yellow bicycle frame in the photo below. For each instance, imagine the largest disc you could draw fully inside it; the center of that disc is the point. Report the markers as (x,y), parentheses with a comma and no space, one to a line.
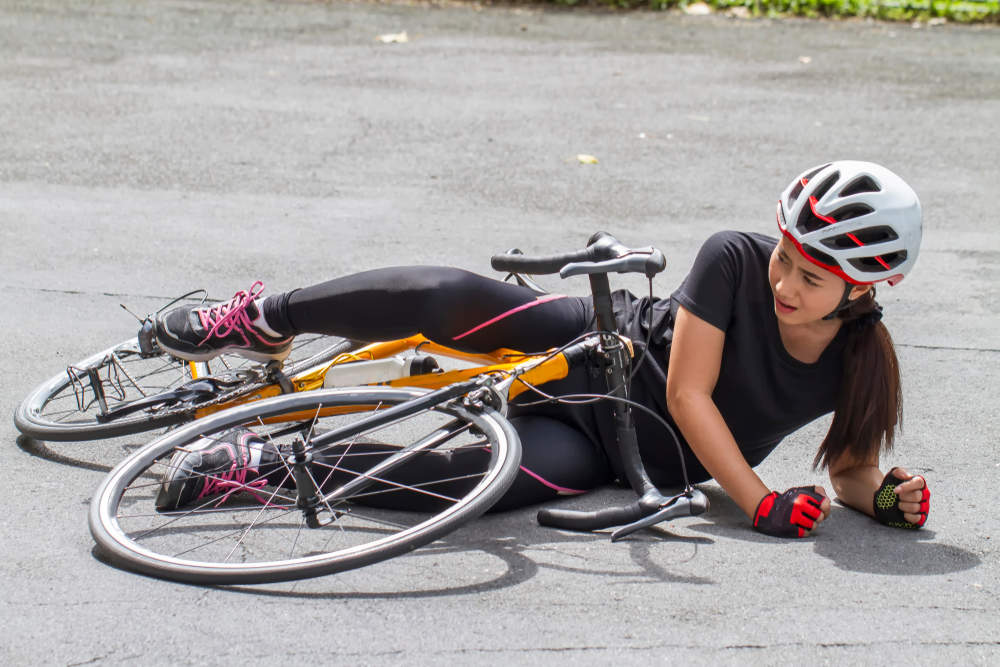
(500,361)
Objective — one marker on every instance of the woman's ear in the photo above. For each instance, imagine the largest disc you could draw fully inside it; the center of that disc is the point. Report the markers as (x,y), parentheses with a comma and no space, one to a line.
(858,291)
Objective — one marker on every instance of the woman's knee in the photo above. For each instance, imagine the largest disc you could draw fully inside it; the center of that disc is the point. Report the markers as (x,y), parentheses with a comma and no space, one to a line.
(557,460)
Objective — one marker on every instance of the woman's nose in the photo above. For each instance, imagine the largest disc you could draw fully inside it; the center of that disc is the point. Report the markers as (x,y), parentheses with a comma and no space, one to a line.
(783,288)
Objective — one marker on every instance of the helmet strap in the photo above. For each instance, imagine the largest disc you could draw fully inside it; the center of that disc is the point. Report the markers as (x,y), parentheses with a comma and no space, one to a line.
(845,302)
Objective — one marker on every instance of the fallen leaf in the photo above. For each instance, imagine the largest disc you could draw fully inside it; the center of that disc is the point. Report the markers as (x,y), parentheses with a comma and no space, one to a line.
(697,9)
(583,158)
(393,38)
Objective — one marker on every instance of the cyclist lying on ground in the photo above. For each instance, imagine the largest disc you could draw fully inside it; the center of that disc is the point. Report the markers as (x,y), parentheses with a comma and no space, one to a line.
(762,337)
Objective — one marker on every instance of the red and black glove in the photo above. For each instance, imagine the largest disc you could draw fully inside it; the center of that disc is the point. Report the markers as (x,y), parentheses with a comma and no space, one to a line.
(886,503)
(790,514)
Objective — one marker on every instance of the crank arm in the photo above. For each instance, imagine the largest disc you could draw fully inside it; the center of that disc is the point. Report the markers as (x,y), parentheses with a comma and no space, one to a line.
(198,390)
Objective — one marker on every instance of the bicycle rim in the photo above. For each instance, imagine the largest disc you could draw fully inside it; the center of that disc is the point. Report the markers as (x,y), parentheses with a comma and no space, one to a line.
(66,407)
(258,535)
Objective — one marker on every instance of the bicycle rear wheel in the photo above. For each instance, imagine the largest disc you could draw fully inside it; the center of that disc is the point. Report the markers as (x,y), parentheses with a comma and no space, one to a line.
(68,406)
(259,534)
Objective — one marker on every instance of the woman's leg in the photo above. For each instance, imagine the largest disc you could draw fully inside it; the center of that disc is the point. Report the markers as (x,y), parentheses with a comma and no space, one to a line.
(557,460)
(449,306)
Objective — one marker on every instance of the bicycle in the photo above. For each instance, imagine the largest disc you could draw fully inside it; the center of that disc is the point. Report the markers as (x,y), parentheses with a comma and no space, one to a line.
(134,386)
(340,451)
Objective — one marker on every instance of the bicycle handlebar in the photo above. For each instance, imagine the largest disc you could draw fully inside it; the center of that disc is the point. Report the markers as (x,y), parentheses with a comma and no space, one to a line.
(650,509)
(603,254)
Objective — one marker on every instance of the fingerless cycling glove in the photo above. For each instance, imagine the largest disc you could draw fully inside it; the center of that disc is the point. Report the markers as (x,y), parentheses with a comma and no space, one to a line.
(887,503)
(790,514)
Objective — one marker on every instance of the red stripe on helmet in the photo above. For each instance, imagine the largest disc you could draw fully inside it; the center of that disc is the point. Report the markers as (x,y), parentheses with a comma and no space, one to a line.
(825,218)
(836,270)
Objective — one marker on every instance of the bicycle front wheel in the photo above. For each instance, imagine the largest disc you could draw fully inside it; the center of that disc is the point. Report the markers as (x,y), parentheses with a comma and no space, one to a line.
(382,491)
(75,404)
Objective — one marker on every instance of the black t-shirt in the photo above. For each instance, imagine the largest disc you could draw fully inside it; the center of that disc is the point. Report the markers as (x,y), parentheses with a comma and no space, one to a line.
(762,392)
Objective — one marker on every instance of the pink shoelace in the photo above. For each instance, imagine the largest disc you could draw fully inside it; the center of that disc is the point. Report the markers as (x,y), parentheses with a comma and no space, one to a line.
(234,480)
(231,317)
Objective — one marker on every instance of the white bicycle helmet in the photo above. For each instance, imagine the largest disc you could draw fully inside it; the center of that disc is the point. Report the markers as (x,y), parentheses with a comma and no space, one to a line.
(856,219)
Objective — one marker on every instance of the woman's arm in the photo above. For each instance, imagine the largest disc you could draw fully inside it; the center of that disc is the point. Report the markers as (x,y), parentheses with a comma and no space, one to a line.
(695,360)
(857,481)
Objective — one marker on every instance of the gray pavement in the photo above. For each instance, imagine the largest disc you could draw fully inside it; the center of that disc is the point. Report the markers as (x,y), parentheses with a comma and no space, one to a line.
(147,149)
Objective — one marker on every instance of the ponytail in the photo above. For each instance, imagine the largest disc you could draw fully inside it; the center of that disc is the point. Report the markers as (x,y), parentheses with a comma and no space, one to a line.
(870,401)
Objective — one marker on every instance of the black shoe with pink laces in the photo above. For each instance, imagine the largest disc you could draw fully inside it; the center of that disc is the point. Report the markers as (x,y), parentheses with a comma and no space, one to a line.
(212,469)
(199,333)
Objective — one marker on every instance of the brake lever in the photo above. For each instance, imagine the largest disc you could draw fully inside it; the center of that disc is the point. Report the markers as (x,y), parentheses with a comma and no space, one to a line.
(639,261)
(645,522)
(690,503)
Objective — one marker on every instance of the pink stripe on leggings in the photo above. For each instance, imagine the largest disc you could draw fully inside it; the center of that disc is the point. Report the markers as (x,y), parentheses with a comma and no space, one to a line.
(561,490)
(531,304)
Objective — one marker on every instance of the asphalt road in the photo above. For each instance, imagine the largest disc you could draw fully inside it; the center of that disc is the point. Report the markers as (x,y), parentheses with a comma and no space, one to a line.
(148,149)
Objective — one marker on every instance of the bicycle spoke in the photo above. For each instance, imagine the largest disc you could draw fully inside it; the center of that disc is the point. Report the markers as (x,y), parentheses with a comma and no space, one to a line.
(220,538)
(246,532)
(250,526)
(397,486)
(295,542)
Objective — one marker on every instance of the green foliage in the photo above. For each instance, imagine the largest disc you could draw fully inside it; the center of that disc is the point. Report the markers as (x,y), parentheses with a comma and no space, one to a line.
(963,11)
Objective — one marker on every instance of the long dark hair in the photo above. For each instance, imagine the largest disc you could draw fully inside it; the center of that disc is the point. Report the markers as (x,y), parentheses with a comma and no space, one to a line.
(870,401)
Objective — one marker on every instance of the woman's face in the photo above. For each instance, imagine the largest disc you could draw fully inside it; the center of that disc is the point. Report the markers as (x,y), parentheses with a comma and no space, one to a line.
(803,292)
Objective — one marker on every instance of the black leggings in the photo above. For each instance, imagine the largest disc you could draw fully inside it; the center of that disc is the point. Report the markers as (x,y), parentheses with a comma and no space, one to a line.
(562,451)
(449,306)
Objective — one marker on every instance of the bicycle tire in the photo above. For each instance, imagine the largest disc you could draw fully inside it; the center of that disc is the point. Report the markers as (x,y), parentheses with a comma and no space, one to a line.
(54,412)
(199,544)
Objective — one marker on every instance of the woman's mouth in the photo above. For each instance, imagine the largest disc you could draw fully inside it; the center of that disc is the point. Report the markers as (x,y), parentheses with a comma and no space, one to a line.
(782,307)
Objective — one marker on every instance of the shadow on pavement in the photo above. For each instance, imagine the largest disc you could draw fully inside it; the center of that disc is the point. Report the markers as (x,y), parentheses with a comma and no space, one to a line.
(42,450)
(523,556)
(861,545)
(520,568)
(853,541)
(98,455)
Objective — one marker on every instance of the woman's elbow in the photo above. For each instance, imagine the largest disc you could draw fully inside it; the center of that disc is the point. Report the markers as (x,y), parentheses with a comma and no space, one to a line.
(681,399)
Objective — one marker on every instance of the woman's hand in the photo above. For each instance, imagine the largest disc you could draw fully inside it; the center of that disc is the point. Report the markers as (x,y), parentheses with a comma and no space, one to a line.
(902,496)
(794,513)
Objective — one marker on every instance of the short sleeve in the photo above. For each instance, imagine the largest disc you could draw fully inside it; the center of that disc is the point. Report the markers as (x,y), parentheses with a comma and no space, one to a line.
(710,287)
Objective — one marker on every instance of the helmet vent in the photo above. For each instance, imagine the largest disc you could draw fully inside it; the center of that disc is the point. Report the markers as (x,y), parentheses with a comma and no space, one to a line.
(796,191)
(826,185)
(876,235)
(859,185)
(851,211)
(862,237)
(801,183)
(819,255)
(872,265)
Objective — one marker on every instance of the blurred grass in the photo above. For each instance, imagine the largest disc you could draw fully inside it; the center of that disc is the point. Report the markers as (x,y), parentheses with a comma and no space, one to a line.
(960,11)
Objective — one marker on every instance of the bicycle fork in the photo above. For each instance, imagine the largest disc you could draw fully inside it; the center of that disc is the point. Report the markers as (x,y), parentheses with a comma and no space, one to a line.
(312,500)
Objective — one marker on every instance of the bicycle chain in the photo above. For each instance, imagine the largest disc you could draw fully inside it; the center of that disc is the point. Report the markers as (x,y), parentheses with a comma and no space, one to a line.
(189,410)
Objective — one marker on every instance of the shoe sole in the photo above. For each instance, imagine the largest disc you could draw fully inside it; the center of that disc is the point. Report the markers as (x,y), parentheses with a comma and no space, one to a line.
(262,357)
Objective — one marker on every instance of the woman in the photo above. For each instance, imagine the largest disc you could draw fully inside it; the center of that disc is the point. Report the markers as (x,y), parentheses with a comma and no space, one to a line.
(763,336)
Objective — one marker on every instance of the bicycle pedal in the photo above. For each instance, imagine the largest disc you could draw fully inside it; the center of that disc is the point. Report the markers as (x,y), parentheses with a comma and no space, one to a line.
(275,374)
